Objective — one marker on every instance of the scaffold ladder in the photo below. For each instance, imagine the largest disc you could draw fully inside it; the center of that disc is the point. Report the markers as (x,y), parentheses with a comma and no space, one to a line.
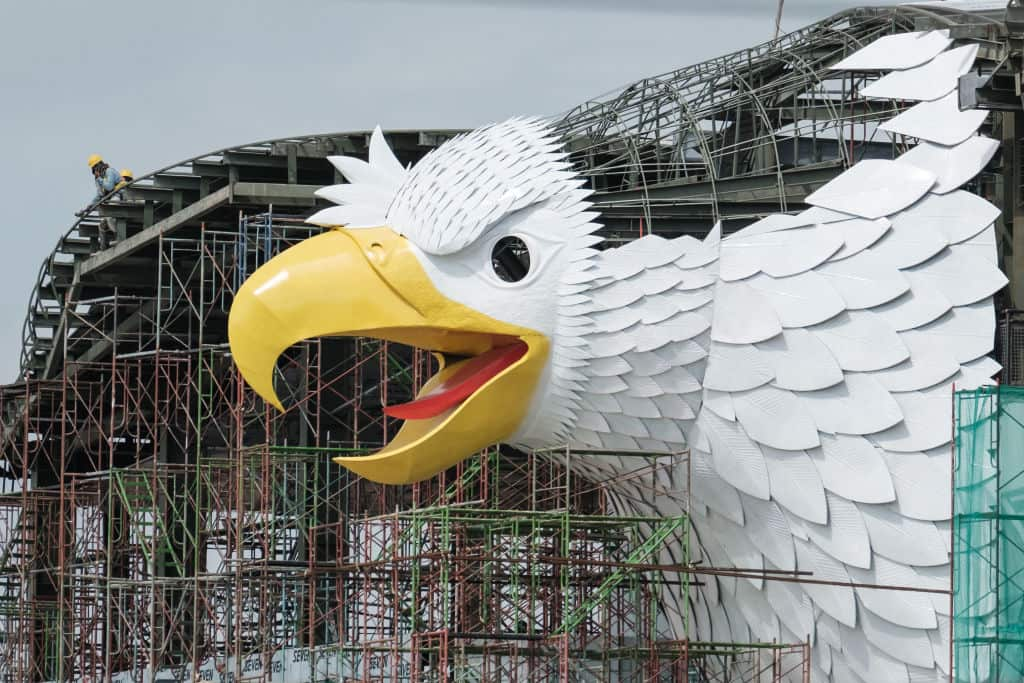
(140,500)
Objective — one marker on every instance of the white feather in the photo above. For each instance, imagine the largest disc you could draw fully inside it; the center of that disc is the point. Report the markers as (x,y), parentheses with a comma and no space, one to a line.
(714,491)
(907,244)
(793,607)
(742,554)
(901,539)
(383,159)
(910,645)
(865,280)
(919,306)
(953,165)
(845,537)
(737,459)
(358,193)
(355,216)
(775,417)
(929,81)
(859,405)
(720,403)
(956,216)
(910,609)
(742,315)
(898,51)
(873,188)
(940,638)
(928,364)
(919,480)
(861,341)
(858,234)
(673,407)
(870,663)
(926,424)
(852,468)
(799,361)
(779,254)
(357,171)
(761,618)
(767,529)
(736,367)
(961,278)
(800,300)
(836,601)
(940,121)
(796,484)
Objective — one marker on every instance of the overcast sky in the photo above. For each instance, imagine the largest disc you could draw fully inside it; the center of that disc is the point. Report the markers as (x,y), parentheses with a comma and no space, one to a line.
(146,84)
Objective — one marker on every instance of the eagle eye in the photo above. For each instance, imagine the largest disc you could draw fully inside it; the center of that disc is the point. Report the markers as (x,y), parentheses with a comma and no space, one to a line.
(510,259)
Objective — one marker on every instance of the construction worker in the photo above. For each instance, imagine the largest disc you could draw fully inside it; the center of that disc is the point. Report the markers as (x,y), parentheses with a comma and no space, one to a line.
(105,176)
(106,179)
(126,177)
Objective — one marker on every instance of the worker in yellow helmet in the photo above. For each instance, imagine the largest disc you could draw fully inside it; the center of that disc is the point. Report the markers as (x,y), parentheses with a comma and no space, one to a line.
(126,177)
(105,176)
(106,179)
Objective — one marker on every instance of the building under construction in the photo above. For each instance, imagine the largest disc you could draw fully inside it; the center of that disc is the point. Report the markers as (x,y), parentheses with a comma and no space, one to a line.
(160,522)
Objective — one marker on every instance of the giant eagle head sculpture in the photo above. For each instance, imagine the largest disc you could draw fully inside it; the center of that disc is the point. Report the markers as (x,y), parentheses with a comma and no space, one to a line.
(806,362)
(477,254)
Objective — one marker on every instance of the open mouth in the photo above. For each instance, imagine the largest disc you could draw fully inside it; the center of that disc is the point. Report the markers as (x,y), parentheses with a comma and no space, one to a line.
(457,381)
(472,402)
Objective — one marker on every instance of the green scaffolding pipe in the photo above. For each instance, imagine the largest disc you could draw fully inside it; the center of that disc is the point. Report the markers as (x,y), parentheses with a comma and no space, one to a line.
(650,545)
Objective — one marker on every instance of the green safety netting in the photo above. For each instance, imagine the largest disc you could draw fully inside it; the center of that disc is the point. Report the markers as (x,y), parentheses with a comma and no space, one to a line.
(988,535)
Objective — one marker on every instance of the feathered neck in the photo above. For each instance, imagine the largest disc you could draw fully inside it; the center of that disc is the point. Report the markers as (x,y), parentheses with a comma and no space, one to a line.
(629,354)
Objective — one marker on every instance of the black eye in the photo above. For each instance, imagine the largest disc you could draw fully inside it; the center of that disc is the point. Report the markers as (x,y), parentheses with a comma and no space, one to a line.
(510,259)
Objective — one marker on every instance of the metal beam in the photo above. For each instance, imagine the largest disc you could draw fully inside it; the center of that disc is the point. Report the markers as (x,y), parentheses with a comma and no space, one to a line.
(764,187)
(150,234)
(281,194)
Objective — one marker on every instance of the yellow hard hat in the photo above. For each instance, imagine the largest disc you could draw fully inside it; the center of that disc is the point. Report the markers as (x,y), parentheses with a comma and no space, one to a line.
(94,159)
(127,173)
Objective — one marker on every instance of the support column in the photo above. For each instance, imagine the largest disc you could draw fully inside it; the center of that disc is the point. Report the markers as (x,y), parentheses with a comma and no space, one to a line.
(1013,210)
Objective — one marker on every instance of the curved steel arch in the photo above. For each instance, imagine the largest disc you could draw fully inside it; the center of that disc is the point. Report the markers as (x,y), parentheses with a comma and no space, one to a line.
(662,150)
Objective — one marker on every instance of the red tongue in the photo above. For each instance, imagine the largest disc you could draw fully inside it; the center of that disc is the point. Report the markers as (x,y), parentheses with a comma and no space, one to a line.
(470,376)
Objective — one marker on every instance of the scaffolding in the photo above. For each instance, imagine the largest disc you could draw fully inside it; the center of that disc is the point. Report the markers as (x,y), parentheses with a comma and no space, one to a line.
(988,535)
(552,586)
(155,510)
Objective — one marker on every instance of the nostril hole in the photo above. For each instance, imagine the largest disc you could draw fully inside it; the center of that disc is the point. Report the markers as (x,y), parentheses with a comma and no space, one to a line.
(377,252)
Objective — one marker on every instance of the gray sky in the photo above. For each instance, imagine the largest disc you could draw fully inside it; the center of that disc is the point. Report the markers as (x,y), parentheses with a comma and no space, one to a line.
(147,84)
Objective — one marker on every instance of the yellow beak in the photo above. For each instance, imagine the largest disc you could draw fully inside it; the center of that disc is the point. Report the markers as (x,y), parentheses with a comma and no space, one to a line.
(369,283)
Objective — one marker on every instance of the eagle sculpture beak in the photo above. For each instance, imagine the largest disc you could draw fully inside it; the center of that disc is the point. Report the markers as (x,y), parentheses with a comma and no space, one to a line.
(369,283)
